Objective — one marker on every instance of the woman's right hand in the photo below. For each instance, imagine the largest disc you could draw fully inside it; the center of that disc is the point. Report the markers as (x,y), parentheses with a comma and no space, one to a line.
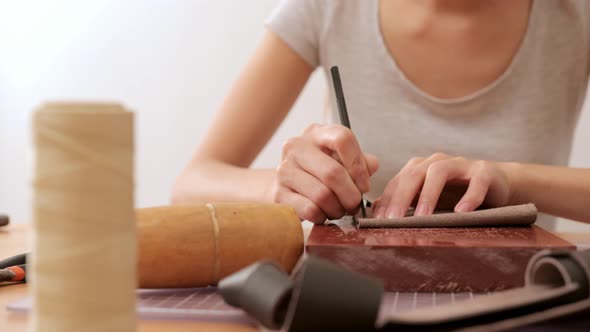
(323,173)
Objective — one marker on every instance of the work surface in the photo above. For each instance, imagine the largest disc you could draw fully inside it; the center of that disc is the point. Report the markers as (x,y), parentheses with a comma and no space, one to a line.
(14,240)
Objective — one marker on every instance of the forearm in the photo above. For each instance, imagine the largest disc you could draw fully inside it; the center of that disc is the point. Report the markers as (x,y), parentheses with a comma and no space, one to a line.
(210,180)
(257,104)
(559,191)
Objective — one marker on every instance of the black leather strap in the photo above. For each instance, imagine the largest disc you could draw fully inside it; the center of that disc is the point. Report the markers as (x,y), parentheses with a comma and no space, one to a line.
(262,290)
(4,220)
(327,297)
(13,261)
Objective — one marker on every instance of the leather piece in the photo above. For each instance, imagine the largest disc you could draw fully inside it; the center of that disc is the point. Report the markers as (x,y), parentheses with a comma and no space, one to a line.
(557,284)
(515,215)
(328,298)
(434,259)
(347,301)
(261,289)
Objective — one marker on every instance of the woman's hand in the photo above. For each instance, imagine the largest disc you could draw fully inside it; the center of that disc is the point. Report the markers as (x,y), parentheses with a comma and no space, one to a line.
(486,182)
(323,173)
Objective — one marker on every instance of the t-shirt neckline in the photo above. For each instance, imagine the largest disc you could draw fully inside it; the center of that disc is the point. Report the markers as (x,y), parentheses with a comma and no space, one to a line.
(469,97)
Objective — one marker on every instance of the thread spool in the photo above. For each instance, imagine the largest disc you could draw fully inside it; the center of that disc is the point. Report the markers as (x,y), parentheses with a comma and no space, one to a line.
(84,248)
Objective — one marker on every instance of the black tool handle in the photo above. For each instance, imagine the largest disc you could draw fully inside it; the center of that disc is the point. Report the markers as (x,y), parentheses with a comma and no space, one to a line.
(14,260)
(343,112)
(4,220)
(341,102)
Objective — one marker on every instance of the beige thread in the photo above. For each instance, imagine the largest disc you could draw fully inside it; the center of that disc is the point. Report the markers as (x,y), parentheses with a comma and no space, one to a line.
(83,275)
(216,264)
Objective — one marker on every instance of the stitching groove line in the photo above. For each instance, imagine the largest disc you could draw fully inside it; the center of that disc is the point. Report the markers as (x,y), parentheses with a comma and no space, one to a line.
(215,223)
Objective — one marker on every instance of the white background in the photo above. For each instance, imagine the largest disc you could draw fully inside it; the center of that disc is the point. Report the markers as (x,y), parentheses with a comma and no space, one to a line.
(169,61)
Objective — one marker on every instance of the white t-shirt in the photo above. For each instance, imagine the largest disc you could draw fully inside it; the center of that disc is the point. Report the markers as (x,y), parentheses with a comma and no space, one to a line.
(528,114)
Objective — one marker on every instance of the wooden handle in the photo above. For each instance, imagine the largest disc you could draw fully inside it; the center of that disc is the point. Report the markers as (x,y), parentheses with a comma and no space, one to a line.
(192,246)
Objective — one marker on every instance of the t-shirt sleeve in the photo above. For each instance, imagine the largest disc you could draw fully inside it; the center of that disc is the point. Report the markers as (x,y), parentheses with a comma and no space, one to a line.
(298,23)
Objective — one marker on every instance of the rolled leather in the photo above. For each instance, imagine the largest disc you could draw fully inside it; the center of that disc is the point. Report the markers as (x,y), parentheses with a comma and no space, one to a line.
(514,215)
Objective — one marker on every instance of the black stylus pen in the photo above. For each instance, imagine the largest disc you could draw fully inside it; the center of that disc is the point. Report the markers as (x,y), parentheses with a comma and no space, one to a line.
(343,112)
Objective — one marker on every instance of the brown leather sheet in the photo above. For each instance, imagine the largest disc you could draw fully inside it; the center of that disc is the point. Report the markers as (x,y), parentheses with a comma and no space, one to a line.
(434,259)
(515,215)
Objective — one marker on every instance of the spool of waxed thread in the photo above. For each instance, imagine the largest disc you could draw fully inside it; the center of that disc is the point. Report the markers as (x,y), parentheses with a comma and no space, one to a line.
(84,248)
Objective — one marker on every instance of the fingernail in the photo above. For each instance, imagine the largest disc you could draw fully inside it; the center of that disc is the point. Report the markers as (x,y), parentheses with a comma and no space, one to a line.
(394,212)
(463,207)
(423,209)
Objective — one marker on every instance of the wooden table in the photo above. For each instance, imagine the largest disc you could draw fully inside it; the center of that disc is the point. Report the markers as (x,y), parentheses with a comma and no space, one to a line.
(14,240)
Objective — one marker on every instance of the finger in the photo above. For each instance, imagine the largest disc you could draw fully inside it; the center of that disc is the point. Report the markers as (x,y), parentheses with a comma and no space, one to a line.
(405,190)
(475,194)
(304,207)
(437,176)
(372,163)
(410,181)
(378,208)
(413,162)
(307,185)
(342,141)
(370,159)
(332,174)
(381,204)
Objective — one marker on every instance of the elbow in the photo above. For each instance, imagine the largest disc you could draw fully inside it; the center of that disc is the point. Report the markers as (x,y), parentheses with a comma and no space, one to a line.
(190,187)
(177,195)
(181,193)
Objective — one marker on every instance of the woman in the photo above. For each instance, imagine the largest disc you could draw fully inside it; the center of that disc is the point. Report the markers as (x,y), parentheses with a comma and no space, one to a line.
(482,94)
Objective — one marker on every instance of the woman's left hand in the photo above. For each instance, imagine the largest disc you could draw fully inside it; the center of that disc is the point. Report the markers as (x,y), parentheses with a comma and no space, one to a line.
(487,182)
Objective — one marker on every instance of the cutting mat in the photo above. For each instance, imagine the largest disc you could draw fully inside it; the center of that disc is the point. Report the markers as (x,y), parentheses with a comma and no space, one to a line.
(205,304)
(199,304)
